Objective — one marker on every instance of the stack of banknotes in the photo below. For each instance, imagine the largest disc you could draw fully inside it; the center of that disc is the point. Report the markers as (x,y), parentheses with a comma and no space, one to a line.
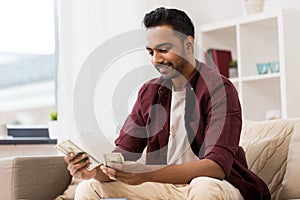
(68,147)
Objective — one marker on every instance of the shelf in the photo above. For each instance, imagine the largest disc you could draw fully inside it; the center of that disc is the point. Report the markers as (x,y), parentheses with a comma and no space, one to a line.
(233,22)
(261,38)
(260,77)
(224,38)
(28,140)
(217,26)
(247,19)
(234,80)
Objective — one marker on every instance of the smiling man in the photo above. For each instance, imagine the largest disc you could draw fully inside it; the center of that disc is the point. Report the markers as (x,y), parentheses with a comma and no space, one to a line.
(189,121)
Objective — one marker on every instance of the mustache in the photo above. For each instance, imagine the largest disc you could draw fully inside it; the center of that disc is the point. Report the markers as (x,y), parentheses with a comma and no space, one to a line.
(161,65)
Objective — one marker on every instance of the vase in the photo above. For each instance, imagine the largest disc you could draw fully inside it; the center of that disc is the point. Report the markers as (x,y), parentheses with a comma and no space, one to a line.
(53,129)
(254,6)
(3,132)
(233,72)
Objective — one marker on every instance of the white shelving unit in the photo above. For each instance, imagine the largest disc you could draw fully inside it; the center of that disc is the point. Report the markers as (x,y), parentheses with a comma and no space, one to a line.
(261,38)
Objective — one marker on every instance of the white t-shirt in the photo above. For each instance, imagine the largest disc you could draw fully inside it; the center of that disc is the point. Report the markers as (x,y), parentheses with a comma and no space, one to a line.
(179,148)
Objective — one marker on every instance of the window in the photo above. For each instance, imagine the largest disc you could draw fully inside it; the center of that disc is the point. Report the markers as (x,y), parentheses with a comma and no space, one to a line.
(28,60)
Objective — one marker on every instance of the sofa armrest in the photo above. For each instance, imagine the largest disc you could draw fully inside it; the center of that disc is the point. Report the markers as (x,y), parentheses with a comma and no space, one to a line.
(34,177)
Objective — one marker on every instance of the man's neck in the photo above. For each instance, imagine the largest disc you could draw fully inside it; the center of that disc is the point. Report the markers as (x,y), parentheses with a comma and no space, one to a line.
(180,81)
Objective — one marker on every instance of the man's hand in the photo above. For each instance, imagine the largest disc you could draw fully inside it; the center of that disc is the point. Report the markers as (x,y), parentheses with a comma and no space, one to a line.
(77,165)
(131,173)
(125,177)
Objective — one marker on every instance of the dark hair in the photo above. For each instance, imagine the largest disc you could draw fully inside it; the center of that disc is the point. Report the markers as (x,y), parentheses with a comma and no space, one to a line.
(177,19)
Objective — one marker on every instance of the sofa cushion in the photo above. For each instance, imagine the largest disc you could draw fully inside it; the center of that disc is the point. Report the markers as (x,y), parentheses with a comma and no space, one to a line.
(6,181)
(291,182)
(33,177)
(266,146)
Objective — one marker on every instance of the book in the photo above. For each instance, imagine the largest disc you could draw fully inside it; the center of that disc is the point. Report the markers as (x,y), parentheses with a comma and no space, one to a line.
(220,59)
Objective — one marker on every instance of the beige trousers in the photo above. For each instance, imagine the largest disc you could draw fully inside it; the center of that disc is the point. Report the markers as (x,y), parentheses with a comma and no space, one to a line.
(200,188)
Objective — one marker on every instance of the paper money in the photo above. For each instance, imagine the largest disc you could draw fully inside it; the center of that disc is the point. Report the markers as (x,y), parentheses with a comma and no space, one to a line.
(113,158)
(68,146)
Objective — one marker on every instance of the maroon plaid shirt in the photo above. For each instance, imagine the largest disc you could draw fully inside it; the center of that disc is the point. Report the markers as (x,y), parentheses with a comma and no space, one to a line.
(212,120)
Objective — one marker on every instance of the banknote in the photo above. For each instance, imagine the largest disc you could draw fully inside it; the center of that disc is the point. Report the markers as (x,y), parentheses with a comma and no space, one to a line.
(113,158)
(68,146)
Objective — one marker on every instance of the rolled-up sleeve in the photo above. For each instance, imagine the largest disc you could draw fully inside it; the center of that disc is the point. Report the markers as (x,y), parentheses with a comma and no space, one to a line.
(224,124)
(133,135)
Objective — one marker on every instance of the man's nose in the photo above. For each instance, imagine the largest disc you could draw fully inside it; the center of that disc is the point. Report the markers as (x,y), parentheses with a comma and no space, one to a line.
(156,58)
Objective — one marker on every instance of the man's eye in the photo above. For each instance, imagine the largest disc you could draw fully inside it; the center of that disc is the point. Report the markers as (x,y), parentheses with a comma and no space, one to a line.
(150,53)
(163,50)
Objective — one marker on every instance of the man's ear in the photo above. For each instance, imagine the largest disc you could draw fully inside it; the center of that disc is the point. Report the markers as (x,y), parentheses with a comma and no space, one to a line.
(189,44)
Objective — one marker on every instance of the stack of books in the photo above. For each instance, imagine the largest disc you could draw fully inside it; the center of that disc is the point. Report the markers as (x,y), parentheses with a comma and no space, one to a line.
(220,59)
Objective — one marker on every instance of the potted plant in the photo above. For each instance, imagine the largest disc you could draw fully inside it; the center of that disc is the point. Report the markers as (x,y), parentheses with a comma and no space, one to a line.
(53,126)
(233,71)
(53,115)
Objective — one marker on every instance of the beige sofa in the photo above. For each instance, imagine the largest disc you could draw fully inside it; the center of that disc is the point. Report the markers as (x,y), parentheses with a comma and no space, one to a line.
(33,178)
(272,150)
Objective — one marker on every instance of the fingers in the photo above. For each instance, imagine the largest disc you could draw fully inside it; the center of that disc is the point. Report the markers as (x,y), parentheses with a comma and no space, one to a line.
(77,163)
(111,173)
(125,177)
(130,167)
(80,173)
(73,159)
(126,167)
(74,168)
(68,157)
(116,166)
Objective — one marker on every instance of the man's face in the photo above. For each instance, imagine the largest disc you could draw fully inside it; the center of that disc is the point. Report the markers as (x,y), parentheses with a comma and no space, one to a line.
(167,51)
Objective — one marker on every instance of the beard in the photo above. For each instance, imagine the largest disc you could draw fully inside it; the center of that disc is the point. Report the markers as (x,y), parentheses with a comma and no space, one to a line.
(170,70)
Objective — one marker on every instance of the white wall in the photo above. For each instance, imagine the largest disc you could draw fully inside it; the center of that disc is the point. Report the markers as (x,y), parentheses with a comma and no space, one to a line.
(84,25)
(207,11)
